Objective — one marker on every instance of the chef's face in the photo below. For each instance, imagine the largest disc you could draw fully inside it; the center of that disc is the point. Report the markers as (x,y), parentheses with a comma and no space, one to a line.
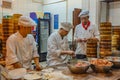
(84,19)
(64,32)
(26,30)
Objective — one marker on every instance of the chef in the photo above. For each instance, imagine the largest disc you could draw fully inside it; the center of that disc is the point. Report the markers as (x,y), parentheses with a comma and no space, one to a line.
(58,48)
(21,47)
(83,32)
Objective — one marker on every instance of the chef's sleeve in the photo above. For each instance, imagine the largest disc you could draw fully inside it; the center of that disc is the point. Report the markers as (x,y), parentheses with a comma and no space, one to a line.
(67,44)
(76,34)
(35,51)
(11,56)
(52,47)
(96,33)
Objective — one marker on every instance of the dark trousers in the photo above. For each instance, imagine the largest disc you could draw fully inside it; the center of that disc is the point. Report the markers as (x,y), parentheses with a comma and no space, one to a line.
(81,56)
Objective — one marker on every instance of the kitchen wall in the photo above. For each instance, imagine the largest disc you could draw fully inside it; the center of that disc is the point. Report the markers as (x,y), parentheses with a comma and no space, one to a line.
(93,7)
(96,10)
(115,13)
(61,9)
(22,7)
(26,6)
(58,8)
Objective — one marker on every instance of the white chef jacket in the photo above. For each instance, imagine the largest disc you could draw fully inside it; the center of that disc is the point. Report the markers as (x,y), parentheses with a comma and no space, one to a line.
(81,33)
(55,45)
(21,50)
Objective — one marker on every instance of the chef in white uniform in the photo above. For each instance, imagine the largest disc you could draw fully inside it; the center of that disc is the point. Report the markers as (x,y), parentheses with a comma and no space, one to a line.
(84,31)
(21,47)
(58,48)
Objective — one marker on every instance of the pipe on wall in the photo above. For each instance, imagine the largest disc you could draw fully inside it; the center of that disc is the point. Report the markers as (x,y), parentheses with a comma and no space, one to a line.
(55,2)
(37,2)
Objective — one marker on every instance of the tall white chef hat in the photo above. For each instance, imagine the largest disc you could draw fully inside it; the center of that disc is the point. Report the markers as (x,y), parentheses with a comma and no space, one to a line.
(26,21)
(84,13)
(66,26)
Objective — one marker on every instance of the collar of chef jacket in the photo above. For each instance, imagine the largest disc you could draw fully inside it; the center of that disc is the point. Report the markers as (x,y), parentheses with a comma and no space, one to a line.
(86,26)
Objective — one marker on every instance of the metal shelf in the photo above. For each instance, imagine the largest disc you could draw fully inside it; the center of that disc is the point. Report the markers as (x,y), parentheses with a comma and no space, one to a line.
(108,1)
(107,7)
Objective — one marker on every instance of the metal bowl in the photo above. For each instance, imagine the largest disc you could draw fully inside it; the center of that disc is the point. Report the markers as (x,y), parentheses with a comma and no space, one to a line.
(78,70)
(100,69)
(115,61)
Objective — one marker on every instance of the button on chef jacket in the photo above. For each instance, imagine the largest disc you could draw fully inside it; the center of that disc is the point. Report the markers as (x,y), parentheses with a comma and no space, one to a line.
(21,50)
(55,45)
(82,33)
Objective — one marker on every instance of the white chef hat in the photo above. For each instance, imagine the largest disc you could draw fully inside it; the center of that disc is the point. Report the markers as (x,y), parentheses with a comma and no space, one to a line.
(26,21)
(66,26)
(84,13)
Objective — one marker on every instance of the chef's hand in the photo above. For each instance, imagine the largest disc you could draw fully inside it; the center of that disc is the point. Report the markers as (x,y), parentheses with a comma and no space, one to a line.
(79,40)
(84,40)
(29,70)
(71,53)
(38,68)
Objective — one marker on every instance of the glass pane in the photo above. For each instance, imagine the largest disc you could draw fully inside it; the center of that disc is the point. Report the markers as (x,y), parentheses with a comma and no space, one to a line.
(44,35)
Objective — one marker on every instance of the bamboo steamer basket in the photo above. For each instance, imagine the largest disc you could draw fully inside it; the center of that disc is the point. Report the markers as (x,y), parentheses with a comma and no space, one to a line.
(105,38)
(105,32)
(16,16)
(91,48)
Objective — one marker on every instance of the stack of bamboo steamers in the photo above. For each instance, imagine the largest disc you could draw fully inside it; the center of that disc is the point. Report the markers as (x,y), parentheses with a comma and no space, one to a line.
(0,39)
(115,38)
(9,26)
(7,30)
(15,21)
(91,48)
(105,39)
(0,31)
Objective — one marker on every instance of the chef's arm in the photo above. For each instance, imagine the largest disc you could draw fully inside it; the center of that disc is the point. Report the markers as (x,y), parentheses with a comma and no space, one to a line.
(36,60)
(11,57)
(78,40)
(38,66)
(53,50)
(69,52)
(17,65)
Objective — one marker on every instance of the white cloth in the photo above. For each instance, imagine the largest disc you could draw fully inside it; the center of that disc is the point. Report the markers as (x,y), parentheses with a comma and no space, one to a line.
(81,33)
(17,73)
(3,70)
(21,50)
(84,13)
(26,22)
(55,45)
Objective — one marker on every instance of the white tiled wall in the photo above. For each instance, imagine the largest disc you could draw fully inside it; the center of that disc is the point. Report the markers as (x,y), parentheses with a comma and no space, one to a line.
(51,1)
(26,6)
(91,5)
(22,7)
(115,13)
(60,8)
